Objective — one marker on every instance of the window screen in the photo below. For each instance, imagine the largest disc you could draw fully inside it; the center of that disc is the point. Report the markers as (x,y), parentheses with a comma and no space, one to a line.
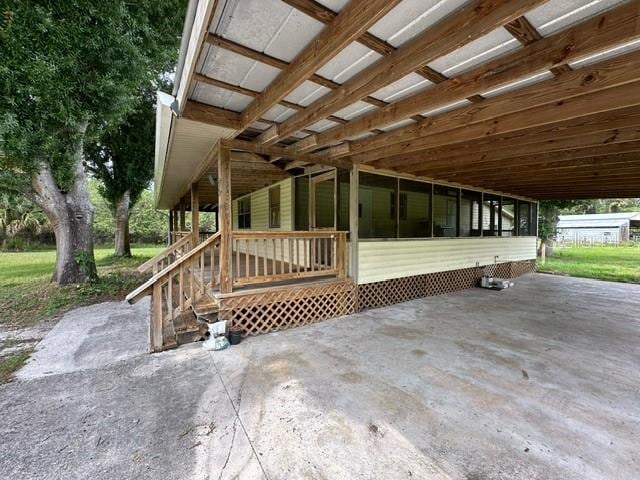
(445,211)
(470,213)
(414,203)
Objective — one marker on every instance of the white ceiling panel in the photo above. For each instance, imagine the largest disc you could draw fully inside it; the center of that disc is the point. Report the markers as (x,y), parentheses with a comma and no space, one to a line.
(322,125)
(245,22)
(489,46)
(394,126)
(226,66)
(238,102)
(210,95)
(520,83)
(278,113)
(446,108)
(354,110)
(260,125)
(605,54)
(402,88)
(557,15)
(354,58)
(307,93)
(335,5)
(411,17)
(259,76)
(294,34)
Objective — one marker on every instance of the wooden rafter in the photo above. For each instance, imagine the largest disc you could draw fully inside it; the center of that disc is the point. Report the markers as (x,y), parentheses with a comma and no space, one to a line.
(353,21)
(556,135)
(262,57)
(470,22)
(556,158)
(600,101)
(275,151)
(326,15)
(504,151)
(593,35)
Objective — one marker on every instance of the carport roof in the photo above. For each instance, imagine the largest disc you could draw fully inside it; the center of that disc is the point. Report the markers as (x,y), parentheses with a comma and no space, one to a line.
(533,97)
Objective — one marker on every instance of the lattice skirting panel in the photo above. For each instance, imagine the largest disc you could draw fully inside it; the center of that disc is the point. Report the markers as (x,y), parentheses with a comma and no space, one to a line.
(397,290)
(288,307)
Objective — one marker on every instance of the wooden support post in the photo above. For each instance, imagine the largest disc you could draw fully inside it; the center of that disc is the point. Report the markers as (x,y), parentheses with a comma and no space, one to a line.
(353,222)
(224,218)
(183,224)
(195,213)
(170,232)
(156,318)
(175,225)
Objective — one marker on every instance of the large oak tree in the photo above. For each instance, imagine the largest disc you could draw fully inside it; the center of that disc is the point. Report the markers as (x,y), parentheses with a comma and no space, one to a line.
(69,69)
(122,160)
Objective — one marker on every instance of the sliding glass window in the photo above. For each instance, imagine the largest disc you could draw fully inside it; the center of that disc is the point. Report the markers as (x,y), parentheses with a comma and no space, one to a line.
(377,206)
(470,213)
(508,224)
(526,221)
(491,215)
(445,211)
(414,209)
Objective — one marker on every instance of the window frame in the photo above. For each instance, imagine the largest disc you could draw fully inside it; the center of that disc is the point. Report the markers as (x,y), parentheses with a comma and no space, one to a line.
(273,206)
(244,215)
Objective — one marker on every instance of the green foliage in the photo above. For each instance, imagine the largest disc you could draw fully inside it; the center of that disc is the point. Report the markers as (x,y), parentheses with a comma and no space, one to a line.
(12,363)
(87,265)
(67,62)
(548,216)
(123,157)
(26,292)
(22,224)
(146,224)
(608,205)
(618,264)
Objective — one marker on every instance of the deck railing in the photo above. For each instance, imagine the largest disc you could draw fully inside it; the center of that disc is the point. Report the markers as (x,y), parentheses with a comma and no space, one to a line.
(168,256)
(179,234)
(179,286)
(272,256)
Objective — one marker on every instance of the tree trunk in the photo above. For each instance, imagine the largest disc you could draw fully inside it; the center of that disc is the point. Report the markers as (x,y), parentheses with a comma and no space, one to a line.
(123,248)
(71,216)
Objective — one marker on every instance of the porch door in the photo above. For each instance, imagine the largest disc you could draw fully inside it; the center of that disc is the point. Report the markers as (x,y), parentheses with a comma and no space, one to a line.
(322,216)
(322,200)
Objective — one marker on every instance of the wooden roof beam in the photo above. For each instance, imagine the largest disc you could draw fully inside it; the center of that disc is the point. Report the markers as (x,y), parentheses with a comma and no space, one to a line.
(568,156)
(272,150)
(506,145)
(471,21)
(325,15)
(600,101)
(353,21)
(596,34)
(515,149)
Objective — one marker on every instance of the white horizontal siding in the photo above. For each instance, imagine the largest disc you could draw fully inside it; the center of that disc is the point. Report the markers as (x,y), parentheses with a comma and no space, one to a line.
(260,207)
(384,260)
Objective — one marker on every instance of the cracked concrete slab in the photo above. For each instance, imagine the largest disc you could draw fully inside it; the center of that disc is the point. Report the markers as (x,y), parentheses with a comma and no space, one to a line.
(535,382)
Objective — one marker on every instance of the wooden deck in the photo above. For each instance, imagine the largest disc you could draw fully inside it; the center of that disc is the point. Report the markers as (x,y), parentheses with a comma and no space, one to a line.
(269,268)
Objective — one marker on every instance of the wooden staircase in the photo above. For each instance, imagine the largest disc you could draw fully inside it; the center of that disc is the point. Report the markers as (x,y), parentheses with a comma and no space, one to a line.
(181,295)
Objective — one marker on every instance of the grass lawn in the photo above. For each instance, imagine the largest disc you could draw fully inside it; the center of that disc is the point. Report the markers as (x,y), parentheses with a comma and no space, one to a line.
(618,264)
(27,297)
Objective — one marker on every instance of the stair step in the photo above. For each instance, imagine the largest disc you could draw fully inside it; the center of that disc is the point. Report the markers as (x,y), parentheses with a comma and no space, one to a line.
(206,306)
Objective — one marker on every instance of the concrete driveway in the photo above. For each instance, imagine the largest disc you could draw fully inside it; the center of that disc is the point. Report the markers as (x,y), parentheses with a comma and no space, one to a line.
(537,382)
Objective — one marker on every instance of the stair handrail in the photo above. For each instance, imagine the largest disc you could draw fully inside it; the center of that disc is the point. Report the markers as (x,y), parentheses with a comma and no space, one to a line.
(144,289)
(164,253)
